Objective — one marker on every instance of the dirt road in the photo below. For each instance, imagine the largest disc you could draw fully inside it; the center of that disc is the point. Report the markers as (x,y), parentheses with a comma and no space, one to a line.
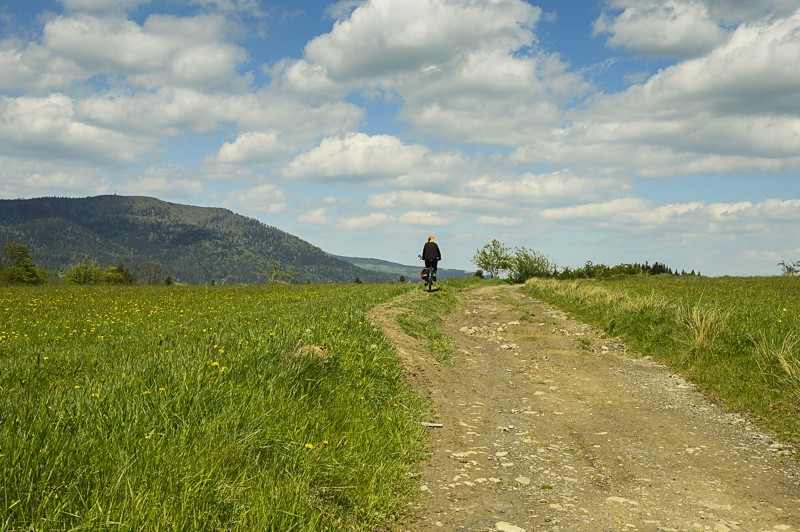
(547,426)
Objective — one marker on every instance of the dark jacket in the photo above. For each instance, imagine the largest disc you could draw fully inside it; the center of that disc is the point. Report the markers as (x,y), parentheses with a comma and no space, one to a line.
(431,251)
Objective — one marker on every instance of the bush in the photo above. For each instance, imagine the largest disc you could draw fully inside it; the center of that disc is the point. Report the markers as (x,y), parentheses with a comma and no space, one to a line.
(85,272)
(527,264)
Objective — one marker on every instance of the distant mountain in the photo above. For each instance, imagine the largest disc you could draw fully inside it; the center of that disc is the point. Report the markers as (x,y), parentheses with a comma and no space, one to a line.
(396,270)
(154,238)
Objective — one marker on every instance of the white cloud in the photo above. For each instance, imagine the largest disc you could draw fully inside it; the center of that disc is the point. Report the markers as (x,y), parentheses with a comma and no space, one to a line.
(305,79)
(426,218)
(457,66)
(680,28)
(557,187)
(733,109)
(412,198)
(266,198)
(49,128)
(168,180)
(598,211)
(26,178)
(775,209)
(316,217)
(355,157)
(362,223)
(503,221)
(102,6)
(253,146)
(695,220)
(735,11)
(164,51)
(343,8)
(382,38)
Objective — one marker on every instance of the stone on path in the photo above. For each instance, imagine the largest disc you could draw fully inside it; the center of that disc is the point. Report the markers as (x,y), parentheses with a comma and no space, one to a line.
(502,526)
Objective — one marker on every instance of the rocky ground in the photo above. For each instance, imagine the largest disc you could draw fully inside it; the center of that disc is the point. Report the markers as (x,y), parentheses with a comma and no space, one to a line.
(545,425)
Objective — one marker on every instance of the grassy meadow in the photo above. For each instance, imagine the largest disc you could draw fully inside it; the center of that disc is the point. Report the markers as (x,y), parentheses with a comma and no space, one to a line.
(283,407)
(737,338)
(252,408)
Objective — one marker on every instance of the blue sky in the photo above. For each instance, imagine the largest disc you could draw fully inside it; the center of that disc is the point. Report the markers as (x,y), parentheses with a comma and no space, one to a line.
(604,130)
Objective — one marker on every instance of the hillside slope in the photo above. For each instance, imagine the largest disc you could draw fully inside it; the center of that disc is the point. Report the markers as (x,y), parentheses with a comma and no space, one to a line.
(396,270)
(154,238)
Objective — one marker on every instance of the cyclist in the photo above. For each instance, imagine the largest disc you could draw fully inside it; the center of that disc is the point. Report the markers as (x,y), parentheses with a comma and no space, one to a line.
(431,255)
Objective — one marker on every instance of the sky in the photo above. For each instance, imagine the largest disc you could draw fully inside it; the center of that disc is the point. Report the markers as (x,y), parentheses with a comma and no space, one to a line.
(611,131)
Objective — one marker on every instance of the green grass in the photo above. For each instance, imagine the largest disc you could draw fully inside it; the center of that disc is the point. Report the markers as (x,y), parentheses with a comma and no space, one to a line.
(243,408)
(422,314)
(737,338)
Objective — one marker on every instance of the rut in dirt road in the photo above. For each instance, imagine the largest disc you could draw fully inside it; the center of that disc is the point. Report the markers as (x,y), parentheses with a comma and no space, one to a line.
(547,426)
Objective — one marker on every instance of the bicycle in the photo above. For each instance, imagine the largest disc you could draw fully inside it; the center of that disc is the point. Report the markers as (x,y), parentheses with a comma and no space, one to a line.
(427,276)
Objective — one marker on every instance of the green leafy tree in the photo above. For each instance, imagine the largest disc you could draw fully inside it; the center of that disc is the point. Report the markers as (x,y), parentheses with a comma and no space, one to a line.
(790,268)
(495,258)
(18,267)
(116,275)
(84,272)
(278,273)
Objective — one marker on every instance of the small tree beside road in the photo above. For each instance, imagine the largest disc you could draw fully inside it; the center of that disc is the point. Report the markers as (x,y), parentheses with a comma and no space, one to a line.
(494,258)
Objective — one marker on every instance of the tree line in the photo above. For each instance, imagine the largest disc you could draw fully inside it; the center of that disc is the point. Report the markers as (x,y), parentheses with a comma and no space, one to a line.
(520,264)
(17,267)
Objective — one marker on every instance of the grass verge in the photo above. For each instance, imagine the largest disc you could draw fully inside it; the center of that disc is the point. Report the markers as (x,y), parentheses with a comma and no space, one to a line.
(422,315)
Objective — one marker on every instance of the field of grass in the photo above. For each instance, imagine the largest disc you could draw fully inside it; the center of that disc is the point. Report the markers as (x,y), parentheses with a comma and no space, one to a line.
(249,408)
(738,339)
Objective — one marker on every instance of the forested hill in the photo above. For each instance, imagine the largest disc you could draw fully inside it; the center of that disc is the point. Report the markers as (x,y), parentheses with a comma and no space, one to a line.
(154,238)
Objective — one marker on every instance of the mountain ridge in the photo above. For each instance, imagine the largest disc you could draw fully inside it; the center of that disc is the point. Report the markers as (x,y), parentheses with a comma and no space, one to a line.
(397,269)
(156,238)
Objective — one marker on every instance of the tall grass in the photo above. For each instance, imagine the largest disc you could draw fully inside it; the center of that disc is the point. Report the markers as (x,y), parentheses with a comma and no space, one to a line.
(779,359)
(735,337)
(244,408)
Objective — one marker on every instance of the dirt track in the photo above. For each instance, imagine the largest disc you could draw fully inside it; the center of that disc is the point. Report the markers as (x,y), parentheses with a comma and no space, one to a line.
(547,426)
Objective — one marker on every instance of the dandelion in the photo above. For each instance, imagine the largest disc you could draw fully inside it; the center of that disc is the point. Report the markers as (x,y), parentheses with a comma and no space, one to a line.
(325,442)
(77,386)
(215,363)
(162,390)
(309,446)
(95,395)
(146,392)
